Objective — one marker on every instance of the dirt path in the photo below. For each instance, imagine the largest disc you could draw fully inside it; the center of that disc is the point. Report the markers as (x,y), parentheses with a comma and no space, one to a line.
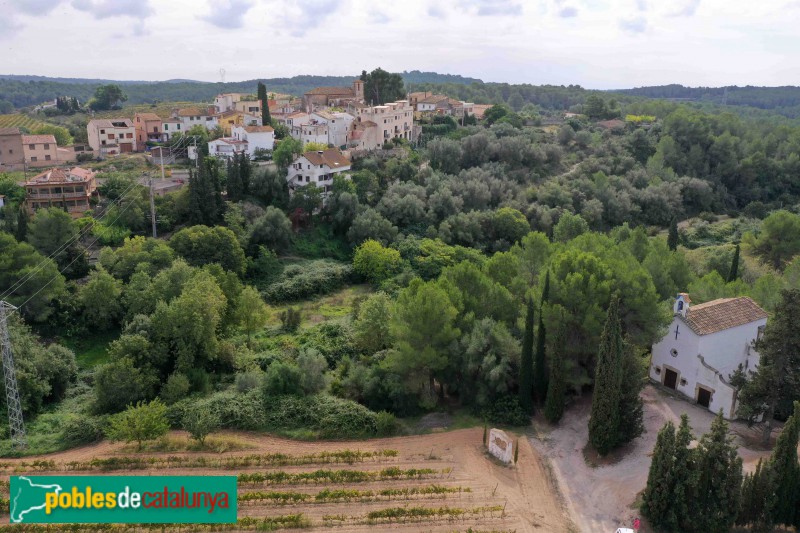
(526,492)
(602,498)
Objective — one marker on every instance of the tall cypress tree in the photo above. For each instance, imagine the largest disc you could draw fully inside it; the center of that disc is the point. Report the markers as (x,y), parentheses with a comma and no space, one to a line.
(786,471)
(604,419)
(657,496)
(672,237)
(245,173)
(734,272)
(556,384)
(684,478)
(526,362)
(234,182)
(22,222)
(540,372)
(714,500)
(266,120)
(631,407)
(757,501)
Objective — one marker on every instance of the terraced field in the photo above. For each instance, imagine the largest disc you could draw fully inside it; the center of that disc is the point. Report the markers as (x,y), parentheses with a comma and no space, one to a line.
(19,120)
(163,110)
(437,483)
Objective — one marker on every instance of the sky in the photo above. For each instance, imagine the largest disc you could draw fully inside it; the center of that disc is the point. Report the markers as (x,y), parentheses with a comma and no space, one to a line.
(598,44)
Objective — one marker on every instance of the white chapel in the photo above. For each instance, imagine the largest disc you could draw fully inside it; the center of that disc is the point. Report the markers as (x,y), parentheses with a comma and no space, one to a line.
(705,344)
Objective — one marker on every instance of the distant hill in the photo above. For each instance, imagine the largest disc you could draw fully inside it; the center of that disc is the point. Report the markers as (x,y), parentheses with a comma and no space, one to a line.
(24,90)
(783,100)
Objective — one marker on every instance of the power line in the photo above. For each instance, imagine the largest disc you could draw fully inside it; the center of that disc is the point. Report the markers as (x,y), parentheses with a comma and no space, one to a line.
(64,246)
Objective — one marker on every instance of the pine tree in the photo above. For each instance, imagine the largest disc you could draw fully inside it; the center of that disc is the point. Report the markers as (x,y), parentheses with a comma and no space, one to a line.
(778,371)
(734,272)
(657,496)
(672,237)
(605,417)
(266,120)
(526,363)
(714,499)
(631,407)
(786,471)
(540,363)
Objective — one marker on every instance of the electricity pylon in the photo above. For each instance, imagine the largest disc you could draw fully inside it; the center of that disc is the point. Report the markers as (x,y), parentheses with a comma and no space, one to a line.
(12,391)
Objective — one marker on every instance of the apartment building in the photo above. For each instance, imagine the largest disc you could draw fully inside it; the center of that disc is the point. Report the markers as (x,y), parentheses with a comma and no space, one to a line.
(317,168)
(394,120)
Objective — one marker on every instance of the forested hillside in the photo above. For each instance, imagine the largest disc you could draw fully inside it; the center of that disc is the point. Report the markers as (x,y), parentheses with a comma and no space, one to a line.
(23,91)
(783,100)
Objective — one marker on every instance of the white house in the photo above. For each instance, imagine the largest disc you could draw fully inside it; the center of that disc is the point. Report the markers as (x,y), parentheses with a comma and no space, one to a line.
(338,126)
(705,344)
(317,168)
(226,147)
(171,127)
(294,121)
(256,137)
(193,116)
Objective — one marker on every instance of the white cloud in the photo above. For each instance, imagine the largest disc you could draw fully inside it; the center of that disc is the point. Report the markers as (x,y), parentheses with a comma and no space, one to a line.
(102,9)
(227,14)
(568,12)
(634,25)
(490,8)
(685,8)
(34,7)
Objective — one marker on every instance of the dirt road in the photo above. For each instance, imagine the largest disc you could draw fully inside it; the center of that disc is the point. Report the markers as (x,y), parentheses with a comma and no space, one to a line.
(601,498)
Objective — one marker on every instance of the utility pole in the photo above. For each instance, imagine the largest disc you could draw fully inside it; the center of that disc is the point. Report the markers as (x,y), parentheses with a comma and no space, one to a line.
(13,404)
(152,208)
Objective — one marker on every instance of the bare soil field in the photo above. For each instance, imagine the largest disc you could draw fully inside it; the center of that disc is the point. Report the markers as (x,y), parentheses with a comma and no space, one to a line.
(437,482)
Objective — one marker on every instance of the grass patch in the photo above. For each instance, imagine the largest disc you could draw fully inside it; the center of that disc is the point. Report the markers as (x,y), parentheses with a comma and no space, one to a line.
(323,308)
(319,242)
(91,350)
(186,444)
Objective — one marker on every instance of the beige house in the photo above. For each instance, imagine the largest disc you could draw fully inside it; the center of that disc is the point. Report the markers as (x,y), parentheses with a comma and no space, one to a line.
(66,189)
(322,97)
(148,128)
(111,136)
(395,120)
(11,154)
(39,150)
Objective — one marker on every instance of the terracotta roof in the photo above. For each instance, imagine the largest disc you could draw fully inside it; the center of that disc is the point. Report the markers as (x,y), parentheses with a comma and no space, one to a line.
(723,313)
(231,113)
(228,140)
(258,129)
(296,114)
(435,99)
(332,91)
(148,116)
(38,139)
(9,131)
(60,175)
(331,158)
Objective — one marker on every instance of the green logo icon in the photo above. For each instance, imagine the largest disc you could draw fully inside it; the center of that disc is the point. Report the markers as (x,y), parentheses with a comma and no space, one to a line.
(123,499)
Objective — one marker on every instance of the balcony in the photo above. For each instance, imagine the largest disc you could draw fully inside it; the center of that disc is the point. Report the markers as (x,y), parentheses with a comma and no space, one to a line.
(57,196)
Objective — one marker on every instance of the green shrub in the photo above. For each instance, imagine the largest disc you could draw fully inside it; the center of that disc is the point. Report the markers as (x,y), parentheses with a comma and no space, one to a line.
(199,422)
(386,424)
(313,278)
(508,412)
(237,411)
(282,379)
(246,381)
(176,388)
(82,429)
(290,319)
(331,417)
